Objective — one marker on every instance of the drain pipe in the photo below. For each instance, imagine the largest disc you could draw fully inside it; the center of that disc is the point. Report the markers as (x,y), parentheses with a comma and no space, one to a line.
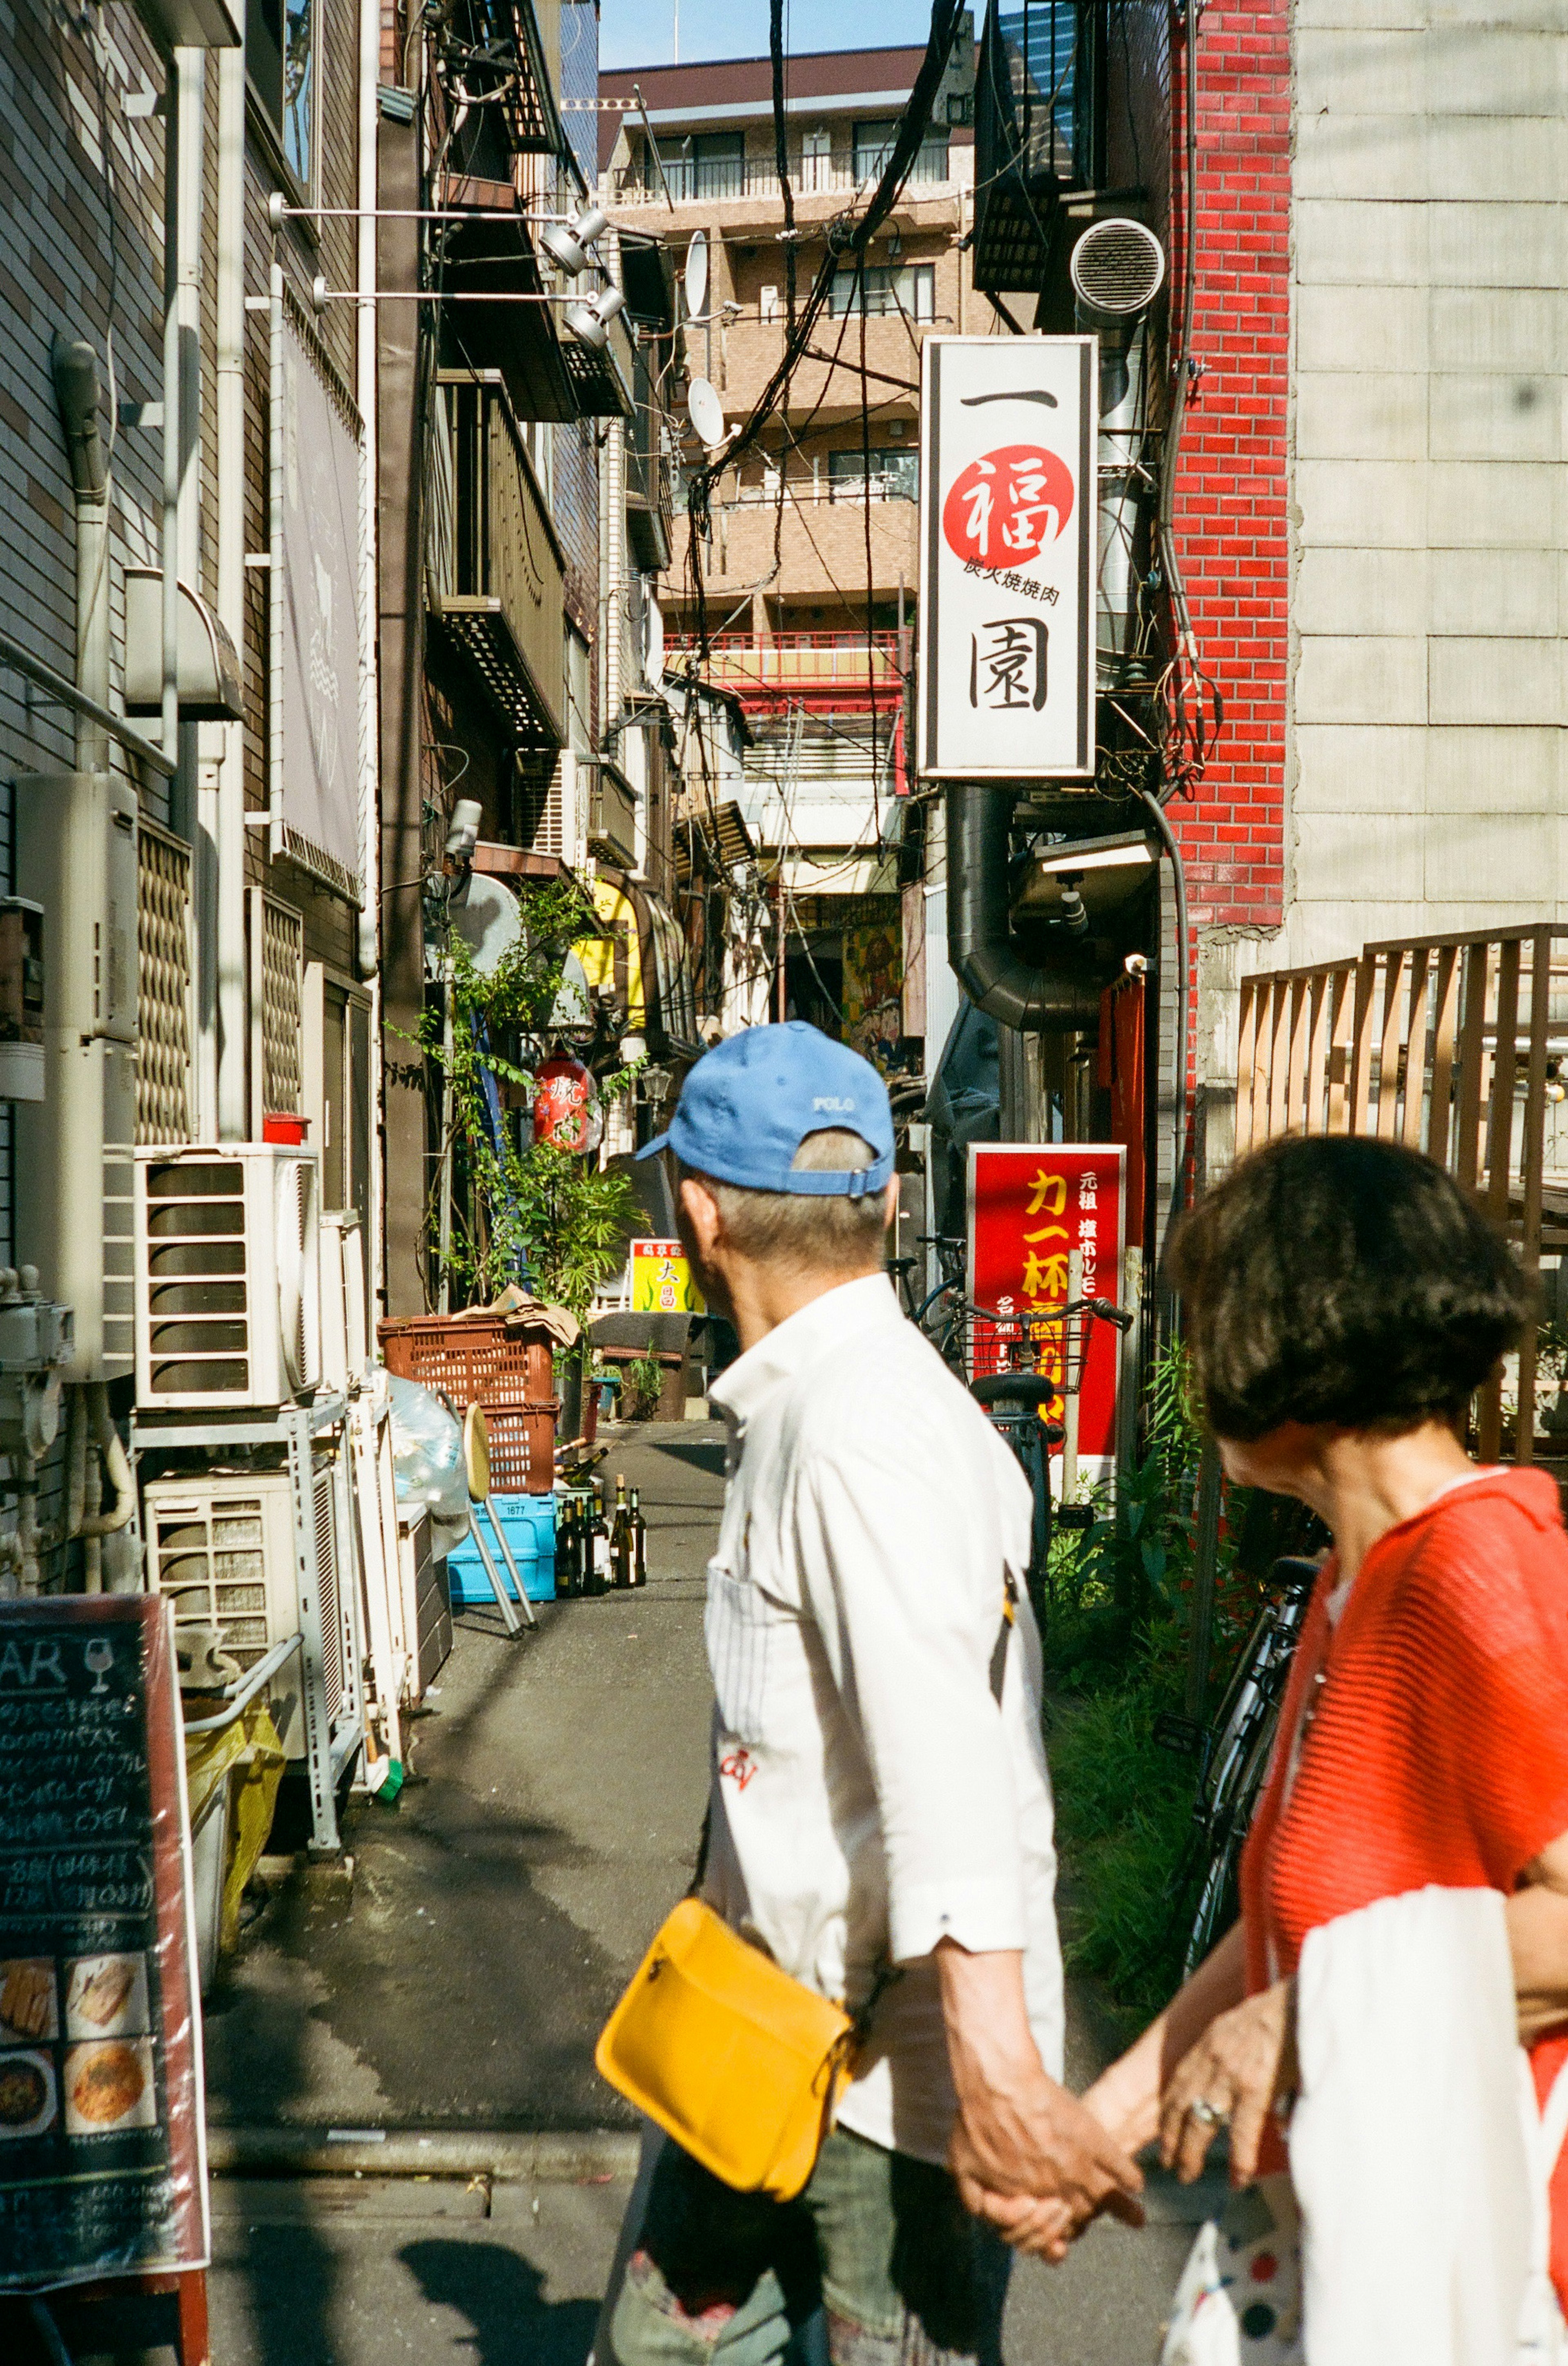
(979,942)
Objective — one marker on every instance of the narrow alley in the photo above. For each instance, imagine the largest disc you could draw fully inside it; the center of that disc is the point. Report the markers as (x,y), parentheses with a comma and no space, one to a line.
(436,2019)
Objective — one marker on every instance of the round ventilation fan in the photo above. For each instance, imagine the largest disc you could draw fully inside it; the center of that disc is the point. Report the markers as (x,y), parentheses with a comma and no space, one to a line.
(1118,269)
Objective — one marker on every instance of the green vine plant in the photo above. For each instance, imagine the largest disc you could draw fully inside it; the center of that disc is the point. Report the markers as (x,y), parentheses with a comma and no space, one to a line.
(528,1204)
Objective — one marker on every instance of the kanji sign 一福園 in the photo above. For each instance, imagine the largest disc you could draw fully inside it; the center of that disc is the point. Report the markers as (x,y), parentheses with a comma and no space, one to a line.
(1031,1205)
(1006,672)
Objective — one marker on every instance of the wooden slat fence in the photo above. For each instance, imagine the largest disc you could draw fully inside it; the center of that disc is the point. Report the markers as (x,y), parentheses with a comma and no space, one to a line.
(1451,1044)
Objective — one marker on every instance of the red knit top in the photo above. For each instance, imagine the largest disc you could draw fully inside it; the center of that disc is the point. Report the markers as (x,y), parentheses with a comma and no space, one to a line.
(1438,1751)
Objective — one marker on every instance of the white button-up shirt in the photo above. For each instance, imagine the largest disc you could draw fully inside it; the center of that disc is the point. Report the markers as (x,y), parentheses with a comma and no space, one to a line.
(869,1796)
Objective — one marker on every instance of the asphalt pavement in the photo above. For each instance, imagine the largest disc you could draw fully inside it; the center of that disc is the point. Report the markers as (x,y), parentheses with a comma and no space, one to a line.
(444,2004)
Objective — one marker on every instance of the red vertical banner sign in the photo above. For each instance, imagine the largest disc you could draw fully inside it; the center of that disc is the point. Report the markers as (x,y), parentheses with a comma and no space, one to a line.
(1030,1205)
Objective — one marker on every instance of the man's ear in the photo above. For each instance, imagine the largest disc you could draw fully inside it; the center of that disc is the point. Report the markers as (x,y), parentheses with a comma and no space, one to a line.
(699,1216)
(893,1202)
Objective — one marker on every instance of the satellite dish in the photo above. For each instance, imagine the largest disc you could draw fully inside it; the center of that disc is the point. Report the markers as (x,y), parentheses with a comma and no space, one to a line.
(696,273)
(705,412)
(488,919)
(572,1011)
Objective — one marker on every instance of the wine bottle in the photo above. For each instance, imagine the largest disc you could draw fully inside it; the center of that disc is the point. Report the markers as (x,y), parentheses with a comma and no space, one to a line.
(566,1547)
(639,1541)
(620,1536)
(599,1529)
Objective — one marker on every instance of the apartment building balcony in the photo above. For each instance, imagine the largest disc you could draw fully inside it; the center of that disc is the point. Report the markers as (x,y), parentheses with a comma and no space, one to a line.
(828,670)
(702,180)
(497,595)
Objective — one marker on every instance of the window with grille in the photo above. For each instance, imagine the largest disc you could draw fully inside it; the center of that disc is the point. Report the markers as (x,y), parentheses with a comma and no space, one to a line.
(163,985)
(874,146)
(277,1003)
(703,164)
(894,474)
(883,287)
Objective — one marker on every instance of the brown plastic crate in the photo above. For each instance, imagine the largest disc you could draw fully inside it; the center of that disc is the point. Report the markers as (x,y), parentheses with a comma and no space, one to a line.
(472,1359)
(522,1446)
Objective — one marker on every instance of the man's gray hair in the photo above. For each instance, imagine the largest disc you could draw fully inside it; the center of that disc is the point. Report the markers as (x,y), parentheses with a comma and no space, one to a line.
(804,1232)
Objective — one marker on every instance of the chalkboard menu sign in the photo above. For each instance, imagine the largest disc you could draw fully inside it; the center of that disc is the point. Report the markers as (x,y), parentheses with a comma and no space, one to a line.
(102,2150)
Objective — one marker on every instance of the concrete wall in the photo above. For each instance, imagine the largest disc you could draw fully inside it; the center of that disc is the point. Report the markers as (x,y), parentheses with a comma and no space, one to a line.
(1426,753)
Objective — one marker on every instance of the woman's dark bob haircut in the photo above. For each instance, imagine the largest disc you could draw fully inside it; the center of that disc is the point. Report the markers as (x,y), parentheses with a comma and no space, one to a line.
(1342,1281)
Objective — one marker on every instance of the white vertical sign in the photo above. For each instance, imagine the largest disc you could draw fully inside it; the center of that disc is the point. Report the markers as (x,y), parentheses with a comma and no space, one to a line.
(1007,542)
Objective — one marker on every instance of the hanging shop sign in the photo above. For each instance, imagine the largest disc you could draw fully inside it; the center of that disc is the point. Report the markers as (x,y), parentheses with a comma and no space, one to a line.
(661,1280)
(1030,1206)
(1007,494)
(101,2154)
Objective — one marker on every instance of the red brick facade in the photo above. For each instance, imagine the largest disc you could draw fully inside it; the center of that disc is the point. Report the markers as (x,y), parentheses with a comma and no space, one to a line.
(1230,516)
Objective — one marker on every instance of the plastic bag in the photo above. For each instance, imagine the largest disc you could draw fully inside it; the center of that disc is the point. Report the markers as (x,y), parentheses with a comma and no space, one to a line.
(426,1460)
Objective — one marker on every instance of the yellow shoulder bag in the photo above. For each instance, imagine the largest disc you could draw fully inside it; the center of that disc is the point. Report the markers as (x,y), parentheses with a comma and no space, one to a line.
(738,2062)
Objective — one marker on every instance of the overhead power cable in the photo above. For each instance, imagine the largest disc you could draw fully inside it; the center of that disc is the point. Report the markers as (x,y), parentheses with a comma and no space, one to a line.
(849,234)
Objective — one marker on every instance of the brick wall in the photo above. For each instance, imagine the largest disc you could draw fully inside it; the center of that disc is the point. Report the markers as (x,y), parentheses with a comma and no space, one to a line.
(1231,508)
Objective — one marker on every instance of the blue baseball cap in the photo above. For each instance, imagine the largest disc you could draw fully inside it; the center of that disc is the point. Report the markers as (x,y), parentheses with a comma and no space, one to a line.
(750,1102)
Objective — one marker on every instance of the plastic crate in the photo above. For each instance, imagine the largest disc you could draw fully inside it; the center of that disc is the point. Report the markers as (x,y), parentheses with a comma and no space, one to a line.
(522,1446)
(474,1360)
(528,1522)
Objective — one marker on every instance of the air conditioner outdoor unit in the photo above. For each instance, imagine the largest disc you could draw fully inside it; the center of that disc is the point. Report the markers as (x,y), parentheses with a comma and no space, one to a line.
(227,1294)
(222,1547)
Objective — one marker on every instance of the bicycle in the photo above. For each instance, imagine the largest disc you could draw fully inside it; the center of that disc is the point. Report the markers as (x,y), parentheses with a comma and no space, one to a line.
(1014,1393)
(940,1312)
(1234,1754)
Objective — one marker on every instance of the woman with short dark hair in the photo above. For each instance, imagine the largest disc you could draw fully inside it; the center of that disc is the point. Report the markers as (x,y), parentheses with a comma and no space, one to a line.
(1343,1302)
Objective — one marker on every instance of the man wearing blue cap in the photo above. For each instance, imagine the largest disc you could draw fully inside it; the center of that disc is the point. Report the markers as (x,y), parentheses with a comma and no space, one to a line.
(880,1813)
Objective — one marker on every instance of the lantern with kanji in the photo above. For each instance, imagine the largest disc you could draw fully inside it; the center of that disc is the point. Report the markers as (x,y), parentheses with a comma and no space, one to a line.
(563,1091)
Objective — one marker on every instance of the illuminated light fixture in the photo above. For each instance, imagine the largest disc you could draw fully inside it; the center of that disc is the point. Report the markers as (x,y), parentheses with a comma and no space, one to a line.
(589,323)
(569,247)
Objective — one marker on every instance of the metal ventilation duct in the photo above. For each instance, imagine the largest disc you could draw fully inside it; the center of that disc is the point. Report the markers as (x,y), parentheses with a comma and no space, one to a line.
(1117,270)
(980,943)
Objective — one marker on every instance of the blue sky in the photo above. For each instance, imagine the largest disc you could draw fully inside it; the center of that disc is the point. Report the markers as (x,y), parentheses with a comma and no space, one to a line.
(640,32)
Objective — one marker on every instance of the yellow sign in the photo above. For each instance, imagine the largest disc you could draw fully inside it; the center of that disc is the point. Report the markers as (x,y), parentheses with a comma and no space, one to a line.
(661,1280)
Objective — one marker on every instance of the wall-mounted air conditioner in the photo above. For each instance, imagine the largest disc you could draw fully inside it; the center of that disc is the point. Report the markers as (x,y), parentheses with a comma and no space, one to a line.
(222,1547)
(228,1296)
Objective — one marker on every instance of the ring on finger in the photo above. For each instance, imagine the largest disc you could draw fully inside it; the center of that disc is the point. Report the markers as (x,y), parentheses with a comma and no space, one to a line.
(1209,2113)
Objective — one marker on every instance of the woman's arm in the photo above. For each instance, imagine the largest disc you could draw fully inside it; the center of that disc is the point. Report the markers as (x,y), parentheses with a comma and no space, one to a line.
(1126,2099)
(1537,1917)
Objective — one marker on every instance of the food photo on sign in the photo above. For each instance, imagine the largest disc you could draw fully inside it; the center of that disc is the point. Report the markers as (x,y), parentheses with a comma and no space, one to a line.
(1007,553)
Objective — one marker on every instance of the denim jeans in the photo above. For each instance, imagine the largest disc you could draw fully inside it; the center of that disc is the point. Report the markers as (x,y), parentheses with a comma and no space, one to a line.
(879,2244)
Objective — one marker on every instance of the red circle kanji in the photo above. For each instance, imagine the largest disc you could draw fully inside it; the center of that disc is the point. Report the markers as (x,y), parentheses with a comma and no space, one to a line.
(1004,507)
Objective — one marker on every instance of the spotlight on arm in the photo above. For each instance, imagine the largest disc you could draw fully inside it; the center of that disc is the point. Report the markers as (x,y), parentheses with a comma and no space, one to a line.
(589,323)
(569,247)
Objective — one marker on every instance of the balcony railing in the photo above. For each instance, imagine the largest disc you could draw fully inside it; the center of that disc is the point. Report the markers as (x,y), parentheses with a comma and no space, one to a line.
(695,181)
(802,665)
(886,485)
(495,570)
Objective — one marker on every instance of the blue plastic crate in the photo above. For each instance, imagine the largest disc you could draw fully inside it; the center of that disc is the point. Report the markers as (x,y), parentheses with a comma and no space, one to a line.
(528,1522)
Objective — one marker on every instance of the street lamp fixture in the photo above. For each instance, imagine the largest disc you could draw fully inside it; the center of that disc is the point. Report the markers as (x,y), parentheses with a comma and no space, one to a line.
(589,323)
(569,244)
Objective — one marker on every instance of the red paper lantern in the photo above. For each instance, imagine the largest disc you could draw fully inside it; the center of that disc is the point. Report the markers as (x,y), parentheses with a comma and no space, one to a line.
(562,1092)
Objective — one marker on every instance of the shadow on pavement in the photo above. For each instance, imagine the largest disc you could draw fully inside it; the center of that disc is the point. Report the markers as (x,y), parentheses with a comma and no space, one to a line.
(502,2297)
(702,1453)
